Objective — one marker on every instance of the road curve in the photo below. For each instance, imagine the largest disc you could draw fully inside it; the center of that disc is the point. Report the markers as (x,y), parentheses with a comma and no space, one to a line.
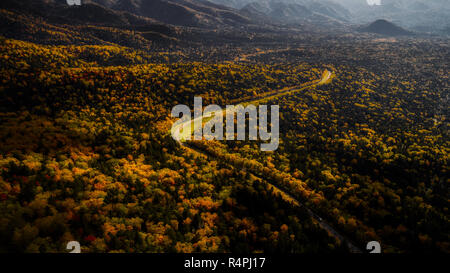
(181,137)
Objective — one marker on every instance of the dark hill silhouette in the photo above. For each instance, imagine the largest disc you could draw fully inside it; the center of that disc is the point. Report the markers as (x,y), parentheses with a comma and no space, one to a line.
(385,28)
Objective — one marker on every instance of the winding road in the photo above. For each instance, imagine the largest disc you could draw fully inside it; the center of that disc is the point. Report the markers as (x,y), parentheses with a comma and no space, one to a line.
(191,125)
(182,135)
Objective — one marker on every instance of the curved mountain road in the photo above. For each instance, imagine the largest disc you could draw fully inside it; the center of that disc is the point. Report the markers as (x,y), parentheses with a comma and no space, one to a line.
(182,136)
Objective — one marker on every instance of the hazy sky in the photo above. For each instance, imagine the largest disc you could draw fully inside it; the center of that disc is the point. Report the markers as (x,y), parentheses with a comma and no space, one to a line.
(374,2)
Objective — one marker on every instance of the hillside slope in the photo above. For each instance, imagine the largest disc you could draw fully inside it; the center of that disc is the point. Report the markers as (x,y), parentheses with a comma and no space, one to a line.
(180,12)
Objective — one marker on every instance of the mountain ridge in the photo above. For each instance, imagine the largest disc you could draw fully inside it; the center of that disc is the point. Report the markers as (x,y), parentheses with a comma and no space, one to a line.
(181,12)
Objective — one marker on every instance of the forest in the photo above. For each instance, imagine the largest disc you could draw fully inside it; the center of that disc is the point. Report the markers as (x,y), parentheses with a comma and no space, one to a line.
(86,152)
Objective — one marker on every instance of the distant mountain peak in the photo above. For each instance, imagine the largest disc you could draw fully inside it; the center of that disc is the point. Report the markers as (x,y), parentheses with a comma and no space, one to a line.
(385,27)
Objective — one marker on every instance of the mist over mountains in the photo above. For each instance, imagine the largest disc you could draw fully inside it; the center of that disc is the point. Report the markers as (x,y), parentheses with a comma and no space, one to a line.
(417,15)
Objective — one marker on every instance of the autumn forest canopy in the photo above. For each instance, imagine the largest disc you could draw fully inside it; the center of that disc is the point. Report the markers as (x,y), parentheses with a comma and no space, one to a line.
(86,152)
